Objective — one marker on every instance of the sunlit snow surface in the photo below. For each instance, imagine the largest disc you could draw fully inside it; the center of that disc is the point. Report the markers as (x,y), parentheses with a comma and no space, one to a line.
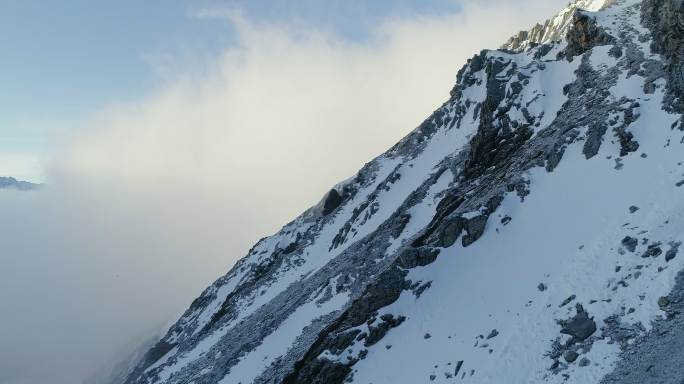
(566,235)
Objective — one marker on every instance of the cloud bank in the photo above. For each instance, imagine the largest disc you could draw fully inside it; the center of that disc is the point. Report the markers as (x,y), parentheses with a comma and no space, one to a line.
(149,202)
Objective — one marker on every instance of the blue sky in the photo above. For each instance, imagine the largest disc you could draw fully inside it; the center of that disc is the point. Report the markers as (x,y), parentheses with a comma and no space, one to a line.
(63,60)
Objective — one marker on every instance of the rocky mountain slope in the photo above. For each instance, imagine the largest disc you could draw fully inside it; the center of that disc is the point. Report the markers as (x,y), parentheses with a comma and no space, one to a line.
(527,232)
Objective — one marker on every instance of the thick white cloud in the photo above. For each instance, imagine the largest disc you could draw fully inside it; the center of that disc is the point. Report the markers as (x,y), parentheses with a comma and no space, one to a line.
(149,202)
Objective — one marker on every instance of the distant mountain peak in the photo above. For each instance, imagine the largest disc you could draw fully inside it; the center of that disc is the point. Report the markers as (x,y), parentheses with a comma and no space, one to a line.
(12,183)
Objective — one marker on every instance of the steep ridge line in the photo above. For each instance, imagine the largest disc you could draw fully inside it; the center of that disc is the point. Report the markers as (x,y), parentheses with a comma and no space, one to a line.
(312,303)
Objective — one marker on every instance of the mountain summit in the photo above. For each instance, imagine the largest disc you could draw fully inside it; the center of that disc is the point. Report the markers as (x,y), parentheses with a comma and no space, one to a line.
(12,183)
(528,231)
(556,28)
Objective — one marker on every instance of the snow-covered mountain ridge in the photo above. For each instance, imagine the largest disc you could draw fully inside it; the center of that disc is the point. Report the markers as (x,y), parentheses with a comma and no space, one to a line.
(12,183)
(554,29)
(528,231)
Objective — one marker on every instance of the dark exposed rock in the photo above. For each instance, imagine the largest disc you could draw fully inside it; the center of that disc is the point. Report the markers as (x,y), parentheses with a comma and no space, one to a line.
(630,243)
(570,356)
(332,201)
(541,287)
(579,327)
(618,164)
(494,333)
(418,291)
(554,365)
(615,51)
(594,139)
(447,226)
(474,229)
(626,138)
(385,290)
(627,142)
(663,301)
(584,362)
(543,50)
(567,301)
(459,364)
(155,353)
(416,257)
(672,252)
(446,206)
(619,332)
(323,371)
(450,232)
(493,143)
(343,340)
(665,19)
(584,35)
(633,209)
(653,250)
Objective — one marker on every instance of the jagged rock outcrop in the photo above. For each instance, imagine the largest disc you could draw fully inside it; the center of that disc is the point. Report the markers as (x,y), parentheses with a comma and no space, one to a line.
(584,35)
(555,29)
(665,19)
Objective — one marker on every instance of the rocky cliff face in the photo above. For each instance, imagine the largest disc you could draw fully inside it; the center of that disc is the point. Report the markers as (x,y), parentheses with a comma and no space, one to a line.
(527,231)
